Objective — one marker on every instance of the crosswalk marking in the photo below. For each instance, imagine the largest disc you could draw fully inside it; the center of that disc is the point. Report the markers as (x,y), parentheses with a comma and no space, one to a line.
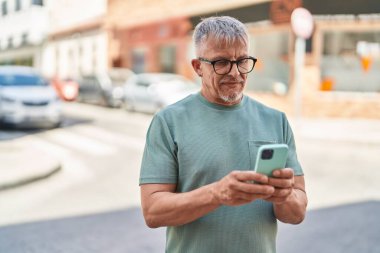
(80,143)
(81,139)
(72,166)
(111,138)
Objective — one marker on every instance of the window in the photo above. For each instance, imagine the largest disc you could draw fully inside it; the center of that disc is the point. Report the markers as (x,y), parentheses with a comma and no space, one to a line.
(38,2)
(24,39)
(4,9)
(167,59)
(272,70)
(79,59)
(94,57)
(351,61)
(309,45)
(15,79)
(10,42)
(18,5)
(138,60)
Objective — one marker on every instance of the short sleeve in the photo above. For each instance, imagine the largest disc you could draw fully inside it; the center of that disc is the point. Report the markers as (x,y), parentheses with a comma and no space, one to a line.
(292,161)
(159,162)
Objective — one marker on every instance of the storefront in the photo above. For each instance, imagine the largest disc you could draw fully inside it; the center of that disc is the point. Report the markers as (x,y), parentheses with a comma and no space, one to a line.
(342,57)
(347,44)
(349,53)
(342,72)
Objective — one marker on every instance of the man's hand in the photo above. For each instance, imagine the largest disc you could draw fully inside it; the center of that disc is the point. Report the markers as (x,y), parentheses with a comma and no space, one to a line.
(234,189)
(283,182)
(289,198)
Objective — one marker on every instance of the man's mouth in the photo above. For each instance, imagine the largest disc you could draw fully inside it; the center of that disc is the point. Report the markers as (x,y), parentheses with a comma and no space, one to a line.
(231,83)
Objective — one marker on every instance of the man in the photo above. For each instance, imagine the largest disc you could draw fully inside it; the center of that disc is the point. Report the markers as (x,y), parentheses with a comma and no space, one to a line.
(200,153)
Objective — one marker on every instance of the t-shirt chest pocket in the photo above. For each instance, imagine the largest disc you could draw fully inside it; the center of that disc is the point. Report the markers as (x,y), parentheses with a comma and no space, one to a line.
(254,147)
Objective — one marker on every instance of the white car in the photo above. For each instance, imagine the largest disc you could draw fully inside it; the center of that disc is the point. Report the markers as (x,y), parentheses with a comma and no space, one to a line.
(27,99)
(149,92)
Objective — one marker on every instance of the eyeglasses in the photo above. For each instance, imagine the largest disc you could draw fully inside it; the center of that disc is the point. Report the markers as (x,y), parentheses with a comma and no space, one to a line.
(224,66)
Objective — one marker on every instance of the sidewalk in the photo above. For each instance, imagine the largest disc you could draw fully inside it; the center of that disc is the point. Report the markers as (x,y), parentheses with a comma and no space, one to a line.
(20,165)
(361,131)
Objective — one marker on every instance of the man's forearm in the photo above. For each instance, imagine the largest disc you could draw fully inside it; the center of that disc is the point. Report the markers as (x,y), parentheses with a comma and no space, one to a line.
(292,211)
(162,206)
(174,209)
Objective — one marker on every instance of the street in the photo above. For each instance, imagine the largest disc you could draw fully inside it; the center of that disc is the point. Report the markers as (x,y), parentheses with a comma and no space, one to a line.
(100,150)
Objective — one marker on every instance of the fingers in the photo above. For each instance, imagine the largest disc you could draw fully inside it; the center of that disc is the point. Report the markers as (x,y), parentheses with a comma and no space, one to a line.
(250,188)
(282,193)
(240,178)
(284,173)
(234,189)
(259,187)
(283,181)
(280,196)
(249,176)
(283,178)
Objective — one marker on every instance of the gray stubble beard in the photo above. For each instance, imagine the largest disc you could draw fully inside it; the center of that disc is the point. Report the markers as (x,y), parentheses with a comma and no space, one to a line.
(234,97)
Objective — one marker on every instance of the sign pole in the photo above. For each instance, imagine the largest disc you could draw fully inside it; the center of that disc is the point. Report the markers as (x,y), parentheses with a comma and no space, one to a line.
(302,25)
(298,69)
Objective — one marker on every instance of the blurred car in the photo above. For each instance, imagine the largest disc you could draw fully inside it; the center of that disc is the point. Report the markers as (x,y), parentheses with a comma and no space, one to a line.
(67,89)
(149,92)
(104,88)
(27,99)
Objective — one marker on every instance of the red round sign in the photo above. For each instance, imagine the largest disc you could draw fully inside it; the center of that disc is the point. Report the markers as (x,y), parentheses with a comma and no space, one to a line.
(302,23)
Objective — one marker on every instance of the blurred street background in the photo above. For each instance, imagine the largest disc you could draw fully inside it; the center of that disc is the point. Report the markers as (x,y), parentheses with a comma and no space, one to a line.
(81,80)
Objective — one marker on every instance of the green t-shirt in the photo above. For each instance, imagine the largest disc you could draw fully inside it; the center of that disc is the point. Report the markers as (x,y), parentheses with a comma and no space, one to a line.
(193,143)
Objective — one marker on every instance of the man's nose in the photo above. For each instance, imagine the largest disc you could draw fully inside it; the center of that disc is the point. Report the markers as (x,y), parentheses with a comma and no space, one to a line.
(234,70)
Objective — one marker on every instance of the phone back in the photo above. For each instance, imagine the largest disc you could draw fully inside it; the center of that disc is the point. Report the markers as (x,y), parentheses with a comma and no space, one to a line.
(271,157)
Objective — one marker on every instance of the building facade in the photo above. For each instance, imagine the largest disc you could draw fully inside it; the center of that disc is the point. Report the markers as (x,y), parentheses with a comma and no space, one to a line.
(77,44)
(69,38)
(341,75)
(155,36)
(20,41)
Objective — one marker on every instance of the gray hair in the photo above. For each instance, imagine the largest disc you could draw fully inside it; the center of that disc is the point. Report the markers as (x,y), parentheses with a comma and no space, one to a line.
(225,29)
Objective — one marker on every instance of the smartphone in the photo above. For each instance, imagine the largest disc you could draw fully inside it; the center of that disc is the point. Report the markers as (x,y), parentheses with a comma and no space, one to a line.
(271,157)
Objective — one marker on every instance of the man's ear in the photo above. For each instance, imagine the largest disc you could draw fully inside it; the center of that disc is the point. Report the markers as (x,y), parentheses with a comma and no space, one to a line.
(197,66)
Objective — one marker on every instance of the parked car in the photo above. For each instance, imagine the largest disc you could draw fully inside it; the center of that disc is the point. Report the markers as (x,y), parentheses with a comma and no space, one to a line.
(104,88)
(27,99)
(149,92)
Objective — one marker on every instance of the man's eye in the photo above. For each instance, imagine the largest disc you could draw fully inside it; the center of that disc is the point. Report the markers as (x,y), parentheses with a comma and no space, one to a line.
(222,63)
(243,61)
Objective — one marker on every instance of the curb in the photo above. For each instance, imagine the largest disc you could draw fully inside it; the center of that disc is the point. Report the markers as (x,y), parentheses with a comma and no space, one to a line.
(21,165)
(26,180)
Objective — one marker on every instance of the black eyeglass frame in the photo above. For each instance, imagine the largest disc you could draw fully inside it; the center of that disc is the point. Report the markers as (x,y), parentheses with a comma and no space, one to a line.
(231,64)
